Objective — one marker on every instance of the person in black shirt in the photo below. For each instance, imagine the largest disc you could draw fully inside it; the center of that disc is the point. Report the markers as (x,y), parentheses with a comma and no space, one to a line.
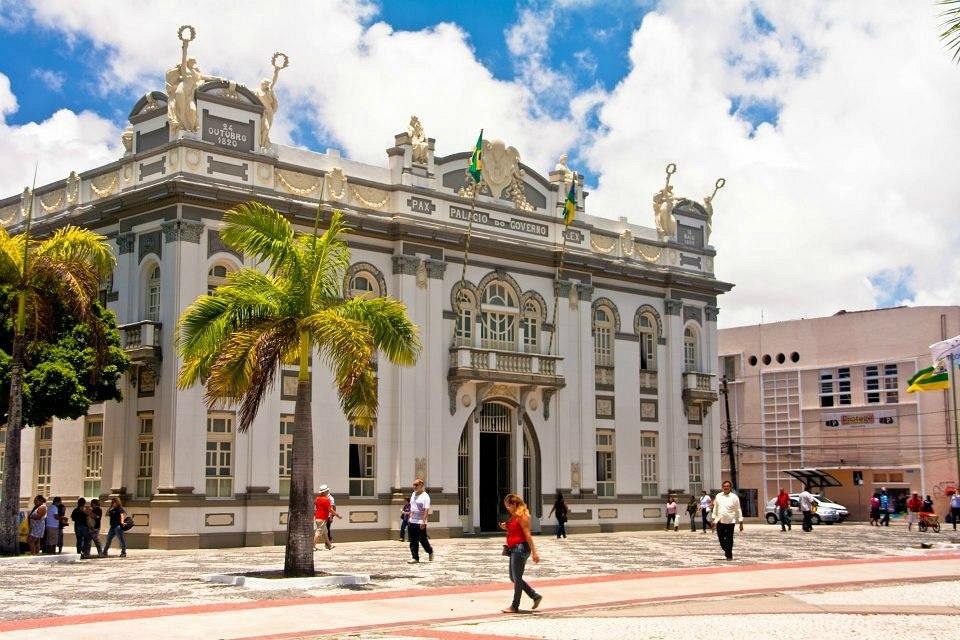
(97,513)
(81,528)
(116,513)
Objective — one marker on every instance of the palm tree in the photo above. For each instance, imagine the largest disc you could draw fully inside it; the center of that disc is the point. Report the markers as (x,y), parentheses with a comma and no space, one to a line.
(66,267)
(951,26)
(235,340)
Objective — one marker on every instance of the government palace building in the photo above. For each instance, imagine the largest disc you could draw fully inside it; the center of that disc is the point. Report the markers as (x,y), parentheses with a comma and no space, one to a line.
(578,358)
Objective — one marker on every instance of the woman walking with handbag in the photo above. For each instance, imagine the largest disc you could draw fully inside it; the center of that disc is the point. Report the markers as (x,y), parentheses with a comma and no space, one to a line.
(560,509)
(117,515)
(519,547)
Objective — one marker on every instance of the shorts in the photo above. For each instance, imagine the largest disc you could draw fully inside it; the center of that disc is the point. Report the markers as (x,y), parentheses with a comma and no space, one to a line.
(911,517)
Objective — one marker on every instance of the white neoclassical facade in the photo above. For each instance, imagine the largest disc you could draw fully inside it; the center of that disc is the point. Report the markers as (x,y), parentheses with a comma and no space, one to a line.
(600,382)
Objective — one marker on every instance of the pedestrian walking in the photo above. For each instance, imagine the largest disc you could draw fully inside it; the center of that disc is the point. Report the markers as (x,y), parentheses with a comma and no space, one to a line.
(783,510)
(52,525)
(321,515)
(806,508)
(955,509)
(884,507)
(875,509)
(519,547)
(559,509)
(705,505)
(672,513)
(692,507)
(914,505)
(404,518)
(727,514)
(419,514)
(116,514)
(38,525)
(97,514)
(81,527)
(333,514)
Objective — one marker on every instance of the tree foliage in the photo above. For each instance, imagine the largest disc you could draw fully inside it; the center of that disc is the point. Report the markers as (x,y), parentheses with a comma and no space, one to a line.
(951,26)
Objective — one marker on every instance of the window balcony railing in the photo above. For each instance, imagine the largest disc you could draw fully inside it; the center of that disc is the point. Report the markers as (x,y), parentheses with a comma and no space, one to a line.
(648,381)
(699,388)
(141,341)
(498,365)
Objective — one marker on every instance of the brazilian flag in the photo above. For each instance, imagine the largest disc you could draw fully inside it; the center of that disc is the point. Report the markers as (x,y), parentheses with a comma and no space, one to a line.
(929,379)
(570,206)
(476,160)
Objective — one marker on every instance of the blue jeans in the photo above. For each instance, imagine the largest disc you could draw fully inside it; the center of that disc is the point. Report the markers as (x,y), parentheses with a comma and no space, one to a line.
(561,527)
(518,560)
(403,527)
(118,532)
(785,519)
(82,532)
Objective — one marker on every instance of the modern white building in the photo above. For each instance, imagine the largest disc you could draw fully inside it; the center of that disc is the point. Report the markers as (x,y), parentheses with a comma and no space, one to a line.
(600,383)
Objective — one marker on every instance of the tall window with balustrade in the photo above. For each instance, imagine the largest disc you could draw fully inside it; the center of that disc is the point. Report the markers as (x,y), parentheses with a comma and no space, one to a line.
(649,481)
(530,326)
(606,464)
(648,344)
(43,455)
(691,350)
(92,456)
(499,316)
(219,455)
(145,455)
(695,463)
(362,461)
(466,316)
(152,295)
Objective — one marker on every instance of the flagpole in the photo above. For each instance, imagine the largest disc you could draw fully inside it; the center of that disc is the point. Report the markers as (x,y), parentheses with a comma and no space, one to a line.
(956,421)
(466,250)
(556,283)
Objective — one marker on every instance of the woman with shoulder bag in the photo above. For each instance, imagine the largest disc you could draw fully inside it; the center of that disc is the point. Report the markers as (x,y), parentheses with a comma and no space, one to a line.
(117,515)
(519,547)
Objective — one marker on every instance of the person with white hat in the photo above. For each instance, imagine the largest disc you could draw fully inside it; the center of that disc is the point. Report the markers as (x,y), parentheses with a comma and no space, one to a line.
(321,512)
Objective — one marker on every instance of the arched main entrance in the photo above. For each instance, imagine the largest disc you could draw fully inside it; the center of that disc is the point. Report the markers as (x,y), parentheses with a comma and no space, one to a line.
(491,465)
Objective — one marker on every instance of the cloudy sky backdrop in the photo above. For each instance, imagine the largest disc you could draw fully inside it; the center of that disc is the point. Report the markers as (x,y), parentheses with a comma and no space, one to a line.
(835,123)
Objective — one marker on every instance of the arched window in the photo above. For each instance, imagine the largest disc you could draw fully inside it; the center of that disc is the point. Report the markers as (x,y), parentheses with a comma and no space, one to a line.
(648,343)
(530,324)
(499,315)
(152,298)
(216,276)
(466,316)
(691,350)
(603,337)
(363,285)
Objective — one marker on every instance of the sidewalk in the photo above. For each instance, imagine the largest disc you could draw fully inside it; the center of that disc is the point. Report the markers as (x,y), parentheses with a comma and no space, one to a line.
(413,612)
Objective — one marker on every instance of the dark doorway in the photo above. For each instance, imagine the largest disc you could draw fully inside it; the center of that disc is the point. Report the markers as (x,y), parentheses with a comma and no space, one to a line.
(494,478)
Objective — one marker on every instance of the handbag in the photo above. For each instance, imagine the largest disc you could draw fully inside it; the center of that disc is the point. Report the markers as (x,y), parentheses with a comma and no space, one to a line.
(506,551)
(127,524)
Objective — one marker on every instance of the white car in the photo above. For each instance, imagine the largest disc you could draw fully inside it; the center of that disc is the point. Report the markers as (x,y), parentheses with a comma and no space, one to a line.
(826,510)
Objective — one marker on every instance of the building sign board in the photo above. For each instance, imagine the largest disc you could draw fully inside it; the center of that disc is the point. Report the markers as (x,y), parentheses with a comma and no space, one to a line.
(227,133)
(860,419)
(513,224)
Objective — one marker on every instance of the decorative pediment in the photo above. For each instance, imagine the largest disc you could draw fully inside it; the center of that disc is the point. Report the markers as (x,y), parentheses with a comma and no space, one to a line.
(230,90)
(149,103)
(688,207)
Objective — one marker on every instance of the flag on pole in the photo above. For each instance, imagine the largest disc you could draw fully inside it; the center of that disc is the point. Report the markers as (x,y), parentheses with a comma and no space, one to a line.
(570,205)
(929,379)
(476,160)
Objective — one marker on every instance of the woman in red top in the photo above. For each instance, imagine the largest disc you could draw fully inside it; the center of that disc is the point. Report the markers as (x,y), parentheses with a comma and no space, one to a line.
(520,546)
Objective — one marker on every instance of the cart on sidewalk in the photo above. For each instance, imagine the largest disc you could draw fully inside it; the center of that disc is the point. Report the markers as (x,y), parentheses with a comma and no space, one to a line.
(929,521)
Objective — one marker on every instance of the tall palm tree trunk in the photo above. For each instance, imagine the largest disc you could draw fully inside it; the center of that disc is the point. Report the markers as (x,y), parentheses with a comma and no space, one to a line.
(299,554)
(9,533)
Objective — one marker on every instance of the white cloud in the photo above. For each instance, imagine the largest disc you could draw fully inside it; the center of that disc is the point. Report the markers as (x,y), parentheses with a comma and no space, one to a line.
(53,80)
(64,142)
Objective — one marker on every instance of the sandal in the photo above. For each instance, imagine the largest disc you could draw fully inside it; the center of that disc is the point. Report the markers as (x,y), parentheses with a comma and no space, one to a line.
(510,610)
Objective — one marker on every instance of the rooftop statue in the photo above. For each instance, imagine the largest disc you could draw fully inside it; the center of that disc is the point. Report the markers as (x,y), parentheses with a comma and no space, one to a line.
(708,205)
(268,97)
(663,203)
(418,140)
(564,169)
(182,83)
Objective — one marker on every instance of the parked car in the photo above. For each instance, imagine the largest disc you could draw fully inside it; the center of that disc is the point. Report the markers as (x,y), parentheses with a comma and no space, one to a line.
(825,510)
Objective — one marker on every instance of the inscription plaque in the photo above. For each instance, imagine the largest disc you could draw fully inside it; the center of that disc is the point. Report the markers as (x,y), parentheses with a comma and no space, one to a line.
(227,133)
(513,224)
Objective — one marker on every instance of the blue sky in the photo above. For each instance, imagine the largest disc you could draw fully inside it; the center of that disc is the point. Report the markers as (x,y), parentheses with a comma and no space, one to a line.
(809,110)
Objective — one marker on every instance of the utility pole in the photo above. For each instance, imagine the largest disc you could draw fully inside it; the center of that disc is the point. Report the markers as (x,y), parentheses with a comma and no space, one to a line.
(730,448)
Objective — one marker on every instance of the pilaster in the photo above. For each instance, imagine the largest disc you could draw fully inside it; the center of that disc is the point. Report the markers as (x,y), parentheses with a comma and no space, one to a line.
(672,474)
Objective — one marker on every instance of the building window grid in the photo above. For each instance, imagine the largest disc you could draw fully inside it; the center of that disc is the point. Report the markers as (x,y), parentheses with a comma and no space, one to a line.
(695,464)
(285,464)
(463,475)
(216,276)
(835,387)
(465,319)
(530,325)
(219,455)
(649,483)
(92,456)
(362,285)
(145,456)
(606,464)
(648,345)
(603,337)
(362,461)
(782,433)
(153,295)
(44,459)
(880,383)
(691,351)
(498,314)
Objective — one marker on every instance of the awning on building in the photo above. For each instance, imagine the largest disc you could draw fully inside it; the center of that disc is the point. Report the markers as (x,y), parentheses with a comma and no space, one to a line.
(814,478)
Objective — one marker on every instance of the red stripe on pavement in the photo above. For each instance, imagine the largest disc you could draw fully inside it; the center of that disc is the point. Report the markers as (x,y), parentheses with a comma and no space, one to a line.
(155,612)
(454,635)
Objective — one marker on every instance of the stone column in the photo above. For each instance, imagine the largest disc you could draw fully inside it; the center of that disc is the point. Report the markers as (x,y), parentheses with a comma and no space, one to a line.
(674,419)
(714,419)
(581,358)
(410,422)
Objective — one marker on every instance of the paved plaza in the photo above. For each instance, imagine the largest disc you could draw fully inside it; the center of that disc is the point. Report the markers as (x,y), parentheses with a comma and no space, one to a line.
(637,584)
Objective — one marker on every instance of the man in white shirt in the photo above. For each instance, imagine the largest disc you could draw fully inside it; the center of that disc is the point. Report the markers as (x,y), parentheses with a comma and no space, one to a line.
(419,514)
(806,507)
(727,513)
(705,503)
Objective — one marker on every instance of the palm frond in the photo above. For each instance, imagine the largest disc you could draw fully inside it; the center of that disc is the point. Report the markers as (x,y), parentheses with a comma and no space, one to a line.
(393,333)
(262,232)
(328,258)
(73,244)
(358,397)
(951,25)
(267,356)
(11,257)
